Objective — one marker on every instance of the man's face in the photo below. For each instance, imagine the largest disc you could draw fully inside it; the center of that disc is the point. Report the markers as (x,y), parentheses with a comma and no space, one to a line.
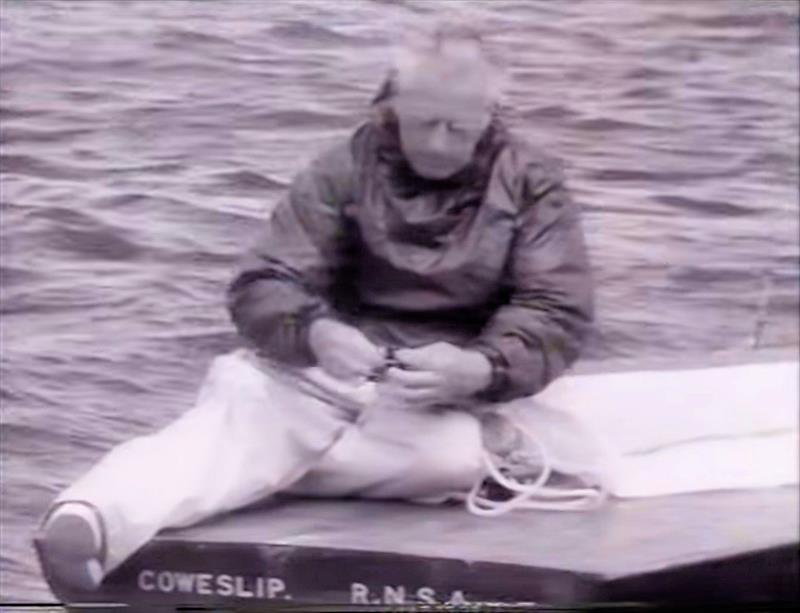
(441,116)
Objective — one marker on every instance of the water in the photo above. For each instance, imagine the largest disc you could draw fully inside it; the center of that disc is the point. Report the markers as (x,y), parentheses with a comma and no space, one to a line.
(143,141)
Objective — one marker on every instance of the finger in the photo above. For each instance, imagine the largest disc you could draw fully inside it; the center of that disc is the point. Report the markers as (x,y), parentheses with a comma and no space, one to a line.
(419,359)
(343,370)
(330,384)
(354,364)
(410,395)
(319,383)
(413,378)
(396,402)
(367,356)
(407,354)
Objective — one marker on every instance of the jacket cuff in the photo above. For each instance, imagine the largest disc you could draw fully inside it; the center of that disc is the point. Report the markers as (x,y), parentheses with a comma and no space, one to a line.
(499,381)
(288,341)
(302,322)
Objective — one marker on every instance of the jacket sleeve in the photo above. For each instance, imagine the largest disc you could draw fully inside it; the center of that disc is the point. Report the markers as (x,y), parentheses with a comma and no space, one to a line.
(285,279)
(538,333)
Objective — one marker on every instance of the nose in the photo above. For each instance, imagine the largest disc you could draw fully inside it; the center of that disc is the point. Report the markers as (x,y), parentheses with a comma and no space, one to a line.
(438,137)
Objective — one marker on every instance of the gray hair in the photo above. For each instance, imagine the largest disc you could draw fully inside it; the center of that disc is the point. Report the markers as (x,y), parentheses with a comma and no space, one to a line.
(455,42)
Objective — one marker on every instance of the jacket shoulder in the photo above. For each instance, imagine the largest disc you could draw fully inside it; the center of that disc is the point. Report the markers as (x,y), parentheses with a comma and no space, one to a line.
(335,157)
(527,172)
(529,168)
(332,169)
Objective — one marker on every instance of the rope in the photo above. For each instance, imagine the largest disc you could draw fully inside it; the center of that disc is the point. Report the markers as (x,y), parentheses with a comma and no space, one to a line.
(535,495)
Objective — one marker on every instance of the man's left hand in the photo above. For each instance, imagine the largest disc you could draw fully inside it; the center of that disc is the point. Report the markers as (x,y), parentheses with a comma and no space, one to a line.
(440,373)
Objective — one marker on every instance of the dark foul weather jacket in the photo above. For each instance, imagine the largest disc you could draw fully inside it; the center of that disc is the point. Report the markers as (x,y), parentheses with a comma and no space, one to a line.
(492,259)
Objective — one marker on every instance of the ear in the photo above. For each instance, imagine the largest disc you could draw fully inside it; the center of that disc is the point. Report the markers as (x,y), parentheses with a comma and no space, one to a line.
(489,118)
(388,88)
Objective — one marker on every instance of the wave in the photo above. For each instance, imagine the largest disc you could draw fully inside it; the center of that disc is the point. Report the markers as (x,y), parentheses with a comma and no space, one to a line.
(736,20)
(648,73)
(647,93)
(15,112)
(654,177)
(295,118)
(732,101)
(713,207)
(706,274)
(34,166)
(100,244)
(14,275)
(247,179)
(10,135)
(552,111)
(609,124)
(305,31)
(74,232)
(171,37)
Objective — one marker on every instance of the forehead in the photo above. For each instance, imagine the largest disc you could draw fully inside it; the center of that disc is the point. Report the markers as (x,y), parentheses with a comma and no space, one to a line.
(443,93)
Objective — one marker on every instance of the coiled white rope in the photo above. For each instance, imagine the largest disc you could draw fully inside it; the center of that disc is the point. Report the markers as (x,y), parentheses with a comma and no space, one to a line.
(530,495)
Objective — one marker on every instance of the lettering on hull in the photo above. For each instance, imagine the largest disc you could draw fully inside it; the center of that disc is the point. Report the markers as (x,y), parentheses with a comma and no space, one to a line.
(209,584)
(274,588)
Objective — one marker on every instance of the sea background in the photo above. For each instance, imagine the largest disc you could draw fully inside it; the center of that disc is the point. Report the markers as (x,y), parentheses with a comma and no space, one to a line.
(143,143)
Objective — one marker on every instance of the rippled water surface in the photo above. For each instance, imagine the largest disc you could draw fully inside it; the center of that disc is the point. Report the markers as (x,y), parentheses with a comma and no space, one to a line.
(142,143)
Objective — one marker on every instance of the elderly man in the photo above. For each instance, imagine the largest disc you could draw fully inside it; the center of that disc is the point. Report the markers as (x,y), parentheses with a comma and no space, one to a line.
(418,276)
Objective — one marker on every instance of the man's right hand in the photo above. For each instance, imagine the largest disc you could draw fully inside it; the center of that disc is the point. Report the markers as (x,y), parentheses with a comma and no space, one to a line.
(343,351)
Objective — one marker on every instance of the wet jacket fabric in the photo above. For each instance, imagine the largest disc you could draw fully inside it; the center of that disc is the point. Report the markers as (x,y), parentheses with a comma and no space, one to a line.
(492,259)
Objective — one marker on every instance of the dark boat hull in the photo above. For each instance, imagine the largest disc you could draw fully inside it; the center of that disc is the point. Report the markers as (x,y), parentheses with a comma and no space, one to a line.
(712,548)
